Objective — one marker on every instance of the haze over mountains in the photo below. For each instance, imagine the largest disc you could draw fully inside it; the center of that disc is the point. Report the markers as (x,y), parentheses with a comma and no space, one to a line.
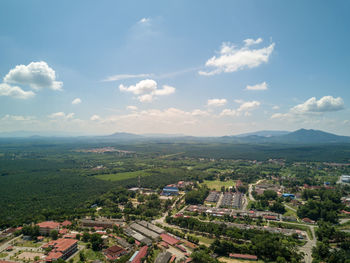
(301,136)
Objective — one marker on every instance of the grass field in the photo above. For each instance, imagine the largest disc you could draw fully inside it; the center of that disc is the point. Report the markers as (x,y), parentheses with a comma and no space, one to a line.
(218,184)
(205,240)
(122,176)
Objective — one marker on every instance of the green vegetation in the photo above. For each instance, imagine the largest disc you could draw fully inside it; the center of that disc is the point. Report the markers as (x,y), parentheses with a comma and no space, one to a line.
(321,204)
(265,245)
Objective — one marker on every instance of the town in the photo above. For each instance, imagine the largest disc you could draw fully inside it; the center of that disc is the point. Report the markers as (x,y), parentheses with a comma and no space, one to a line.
(219,217)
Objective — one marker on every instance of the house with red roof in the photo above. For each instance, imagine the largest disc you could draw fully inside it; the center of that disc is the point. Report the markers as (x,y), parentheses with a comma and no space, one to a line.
(308,220)
(61,248)
(169,239)
(45,228)
(66,223)
(139,255)
(114,252)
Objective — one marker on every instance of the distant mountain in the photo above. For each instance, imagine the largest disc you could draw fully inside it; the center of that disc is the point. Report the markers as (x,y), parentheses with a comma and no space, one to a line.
(302,136)
(124,136)
(39,134)
(311,136)
(263,133)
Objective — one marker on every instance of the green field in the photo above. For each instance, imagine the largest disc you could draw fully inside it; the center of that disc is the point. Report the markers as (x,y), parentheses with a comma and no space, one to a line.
(218,184)
(122,176)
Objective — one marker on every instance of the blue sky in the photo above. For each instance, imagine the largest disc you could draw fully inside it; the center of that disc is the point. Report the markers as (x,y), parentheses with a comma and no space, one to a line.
(192,67)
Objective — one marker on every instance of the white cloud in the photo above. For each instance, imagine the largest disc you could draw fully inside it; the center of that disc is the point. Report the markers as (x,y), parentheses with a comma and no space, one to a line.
(144,20)
(312,107)
(76,101)
(243,109)
(145,98)
(61,115)
(229,112)
(147,89)
(18,118)
(166,90)
(95,117)
(216,102)
(15,92)
(144,86)
(232,59)
(325,104)
(276,107)
(249,105)
(125,76)
(260,86)
(36,75)
(133,108)
(250,41)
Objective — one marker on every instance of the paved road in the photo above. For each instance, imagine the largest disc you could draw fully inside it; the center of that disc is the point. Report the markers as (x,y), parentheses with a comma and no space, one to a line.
(251,197)
(311,242)
(8,243)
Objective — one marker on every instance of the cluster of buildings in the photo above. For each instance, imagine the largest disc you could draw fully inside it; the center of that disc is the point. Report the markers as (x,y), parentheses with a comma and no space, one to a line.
(232,200)
(235,213)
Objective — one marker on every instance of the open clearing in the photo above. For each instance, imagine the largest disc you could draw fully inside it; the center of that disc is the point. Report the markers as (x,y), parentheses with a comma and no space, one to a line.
(218,184)
(30,255)
(122,176)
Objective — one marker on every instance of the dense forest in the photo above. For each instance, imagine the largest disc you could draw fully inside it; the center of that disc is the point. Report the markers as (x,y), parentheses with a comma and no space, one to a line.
(45,178)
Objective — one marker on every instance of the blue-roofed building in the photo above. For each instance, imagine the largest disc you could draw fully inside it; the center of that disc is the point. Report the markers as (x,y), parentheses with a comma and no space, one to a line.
(288,195)
(170,190)
(133,256)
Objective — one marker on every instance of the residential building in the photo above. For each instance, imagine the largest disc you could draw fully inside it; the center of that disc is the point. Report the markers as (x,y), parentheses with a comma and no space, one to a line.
(170,190)
(45,228)
(61,248)
(114,252)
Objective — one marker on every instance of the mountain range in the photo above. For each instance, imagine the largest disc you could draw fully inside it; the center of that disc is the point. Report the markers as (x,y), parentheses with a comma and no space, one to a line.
(302,136)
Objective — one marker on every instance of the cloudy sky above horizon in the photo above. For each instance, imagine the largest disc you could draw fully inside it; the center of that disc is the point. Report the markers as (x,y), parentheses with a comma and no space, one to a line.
(202,68)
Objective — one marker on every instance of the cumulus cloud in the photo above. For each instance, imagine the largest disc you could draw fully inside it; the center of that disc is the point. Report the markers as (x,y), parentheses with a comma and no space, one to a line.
(125,76)
(276,107)
(325,104)
(260,86)
(231,58)
(243,109)
(216,102)
(250,41)
(95,117)
(36,75)
(312,107)
(249,105)
(15,92)
(61,115)
(147,89)
(76,101)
